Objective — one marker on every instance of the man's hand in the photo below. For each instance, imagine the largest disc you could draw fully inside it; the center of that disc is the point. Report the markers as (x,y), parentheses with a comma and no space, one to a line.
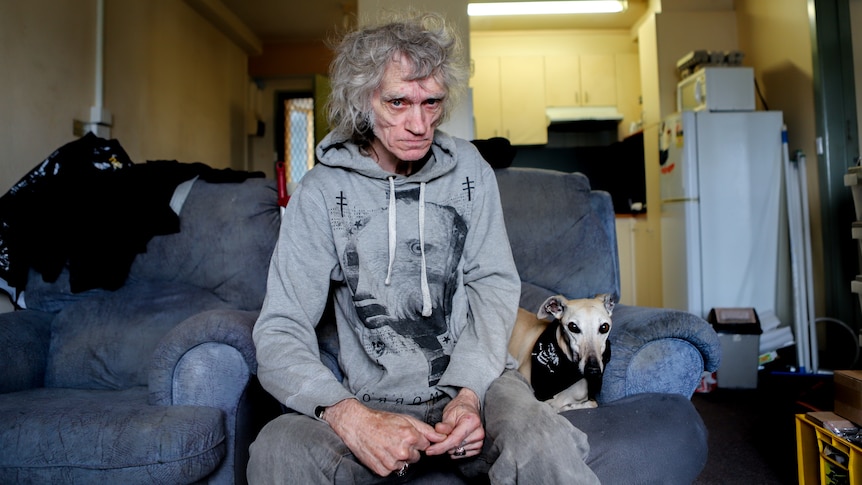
(384,442)
(462,424)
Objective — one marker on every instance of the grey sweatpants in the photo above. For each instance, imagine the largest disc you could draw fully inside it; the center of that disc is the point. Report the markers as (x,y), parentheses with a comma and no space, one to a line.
(526,442)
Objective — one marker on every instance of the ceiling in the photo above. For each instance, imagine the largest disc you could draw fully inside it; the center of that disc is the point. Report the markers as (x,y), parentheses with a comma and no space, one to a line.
(281,20)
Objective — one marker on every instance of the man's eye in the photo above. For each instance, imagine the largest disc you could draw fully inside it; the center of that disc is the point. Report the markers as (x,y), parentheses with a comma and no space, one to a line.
(397,103)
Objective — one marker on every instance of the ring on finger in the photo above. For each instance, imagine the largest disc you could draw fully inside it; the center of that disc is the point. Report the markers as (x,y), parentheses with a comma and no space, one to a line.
(459,451)
(403,470)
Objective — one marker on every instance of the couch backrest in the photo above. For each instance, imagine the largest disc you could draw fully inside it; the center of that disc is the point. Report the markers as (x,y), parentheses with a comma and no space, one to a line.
(562,233)
(218,259)
(227,234)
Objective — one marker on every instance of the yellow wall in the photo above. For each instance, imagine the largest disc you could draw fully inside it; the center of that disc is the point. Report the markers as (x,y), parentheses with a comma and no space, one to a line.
(855,19)
(680,32)
(647,230)
(774,34)
(46,79)
(663,38)
(176,86)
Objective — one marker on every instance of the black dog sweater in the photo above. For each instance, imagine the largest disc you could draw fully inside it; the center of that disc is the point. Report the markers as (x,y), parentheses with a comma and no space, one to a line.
(552,371)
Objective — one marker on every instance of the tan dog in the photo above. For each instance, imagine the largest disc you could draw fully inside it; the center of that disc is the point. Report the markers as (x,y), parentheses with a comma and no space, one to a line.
(564,360)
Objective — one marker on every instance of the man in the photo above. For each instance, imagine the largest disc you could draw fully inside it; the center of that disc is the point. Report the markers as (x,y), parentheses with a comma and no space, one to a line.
(402,224)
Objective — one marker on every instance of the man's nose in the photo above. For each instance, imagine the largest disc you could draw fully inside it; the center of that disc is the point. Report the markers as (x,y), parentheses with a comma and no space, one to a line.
(417,121)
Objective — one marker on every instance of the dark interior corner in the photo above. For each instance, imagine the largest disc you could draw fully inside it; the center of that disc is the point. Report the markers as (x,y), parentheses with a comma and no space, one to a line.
(615,167)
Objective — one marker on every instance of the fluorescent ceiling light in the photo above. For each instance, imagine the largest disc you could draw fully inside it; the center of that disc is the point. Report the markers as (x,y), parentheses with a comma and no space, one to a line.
(545,8)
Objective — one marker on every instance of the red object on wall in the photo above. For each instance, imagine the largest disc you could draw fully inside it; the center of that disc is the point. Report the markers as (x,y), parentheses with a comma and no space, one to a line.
(282,184)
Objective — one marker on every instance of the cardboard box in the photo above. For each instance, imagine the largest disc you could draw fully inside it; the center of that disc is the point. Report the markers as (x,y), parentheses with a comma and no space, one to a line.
(848,395)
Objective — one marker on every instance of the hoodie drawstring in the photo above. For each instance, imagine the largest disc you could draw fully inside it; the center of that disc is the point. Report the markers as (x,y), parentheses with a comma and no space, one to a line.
(392,230)
(426,292)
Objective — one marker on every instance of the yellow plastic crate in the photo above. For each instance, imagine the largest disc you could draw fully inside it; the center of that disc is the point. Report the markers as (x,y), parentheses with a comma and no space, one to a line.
(823,458)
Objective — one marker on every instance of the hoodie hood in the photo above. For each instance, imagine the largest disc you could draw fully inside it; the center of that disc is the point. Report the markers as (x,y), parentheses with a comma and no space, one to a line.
(339,153)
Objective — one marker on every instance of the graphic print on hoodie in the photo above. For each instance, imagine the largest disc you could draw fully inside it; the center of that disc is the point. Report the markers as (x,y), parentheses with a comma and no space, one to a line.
(392,314)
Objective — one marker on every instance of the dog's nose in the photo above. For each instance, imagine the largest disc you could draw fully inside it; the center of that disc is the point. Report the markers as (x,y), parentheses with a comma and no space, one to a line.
(593,367)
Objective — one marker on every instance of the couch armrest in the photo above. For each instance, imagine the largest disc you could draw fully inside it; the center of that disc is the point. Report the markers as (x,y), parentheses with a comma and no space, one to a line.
(25,337)
(658,350)
(209,360)
(185,353)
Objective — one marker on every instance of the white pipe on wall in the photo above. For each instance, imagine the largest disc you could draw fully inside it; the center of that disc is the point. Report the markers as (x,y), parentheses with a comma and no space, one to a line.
(100,118)
(100,54)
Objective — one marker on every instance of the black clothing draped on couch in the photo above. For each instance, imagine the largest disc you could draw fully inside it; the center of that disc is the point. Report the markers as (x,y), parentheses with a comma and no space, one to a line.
(88,207)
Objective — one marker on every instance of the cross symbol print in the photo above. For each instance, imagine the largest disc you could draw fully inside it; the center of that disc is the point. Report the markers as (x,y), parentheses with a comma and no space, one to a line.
(341,202)
(469,185)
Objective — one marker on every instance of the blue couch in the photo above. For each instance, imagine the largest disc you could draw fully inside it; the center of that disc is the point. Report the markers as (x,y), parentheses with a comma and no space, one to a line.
(155,382)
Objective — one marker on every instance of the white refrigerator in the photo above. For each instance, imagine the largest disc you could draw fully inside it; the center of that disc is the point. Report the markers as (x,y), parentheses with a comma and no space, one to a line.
(721,188)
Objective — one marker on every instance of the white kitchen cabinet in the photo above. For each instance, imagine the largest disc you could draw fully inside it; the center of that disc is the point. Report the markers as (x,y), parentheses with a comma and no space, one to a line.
(563,81)
(522,95)
(486,97)
(509,99)
(585,80)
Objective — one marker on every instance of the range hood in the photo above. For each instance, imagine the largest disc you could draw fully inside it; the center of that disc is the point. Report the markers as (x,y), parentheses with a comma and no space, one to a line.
(565,114)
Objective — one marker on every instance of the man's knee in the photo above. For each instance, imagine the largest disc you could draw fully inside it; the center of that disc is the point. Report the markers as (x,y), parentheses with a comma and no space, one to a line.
(286,445)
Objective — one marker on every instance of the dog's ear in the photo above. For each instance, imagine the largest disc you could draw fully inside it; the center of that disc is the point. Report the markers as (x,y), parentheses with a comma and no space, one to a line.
(552,307)
(608,301)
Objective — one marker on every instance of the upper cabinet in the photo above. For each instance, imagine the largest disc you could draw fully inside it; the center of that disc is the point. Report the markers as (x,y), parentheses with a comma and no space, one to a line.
(587,80)
(522,100)
(485,82)
(509,99)
(517,75)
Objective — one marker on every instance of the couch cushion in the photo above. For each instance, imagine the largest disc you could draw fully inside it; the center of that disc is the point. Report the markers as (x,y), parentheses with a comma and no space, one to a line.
(84,436)
(227,234)
(107,341)
(561,241)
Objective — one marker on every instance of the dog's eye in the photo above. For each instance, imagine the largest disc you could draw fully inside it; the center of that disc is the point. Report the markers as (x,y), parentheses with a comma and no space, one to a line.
(573,327)
(604,328)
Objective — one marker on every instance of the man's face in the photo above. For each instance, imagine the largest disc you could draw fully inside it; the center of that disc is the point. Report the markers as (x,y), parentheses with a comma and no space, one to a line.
(405,114)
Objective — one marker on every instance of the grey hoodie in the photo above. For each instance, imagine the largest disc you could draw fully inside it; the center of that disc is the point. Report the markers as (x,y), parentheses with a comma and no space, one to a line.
(425,287)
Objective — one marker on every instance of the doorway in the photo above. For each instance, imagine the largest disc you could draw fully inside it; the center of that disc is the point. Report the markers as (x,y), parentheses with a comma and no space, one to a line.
(294,138)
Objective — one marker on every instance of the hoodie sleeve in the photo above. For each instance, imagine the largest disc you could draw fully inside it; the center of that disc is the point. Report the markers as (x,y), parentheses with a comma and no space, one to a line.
(288,356)
(493,288)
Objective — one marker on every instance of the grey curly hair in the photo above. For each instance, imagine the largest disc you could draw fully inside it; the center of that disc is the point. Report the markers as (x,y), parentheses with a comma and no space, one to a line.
(423,41)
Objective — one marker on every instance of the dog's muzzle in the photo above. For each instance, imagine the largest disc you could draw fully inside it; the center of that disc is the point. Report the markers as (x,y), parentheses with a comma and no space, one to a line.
(593,367)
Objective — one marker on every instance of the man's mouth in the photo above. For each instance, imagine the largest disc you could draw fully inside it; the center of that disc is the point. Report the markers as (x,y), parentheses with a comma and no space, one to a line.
(416,143)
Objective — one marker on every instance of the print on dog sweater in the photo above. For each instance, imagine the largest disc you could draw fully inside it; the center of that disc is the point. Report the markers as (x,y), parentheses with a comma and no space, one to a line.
(552,371)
